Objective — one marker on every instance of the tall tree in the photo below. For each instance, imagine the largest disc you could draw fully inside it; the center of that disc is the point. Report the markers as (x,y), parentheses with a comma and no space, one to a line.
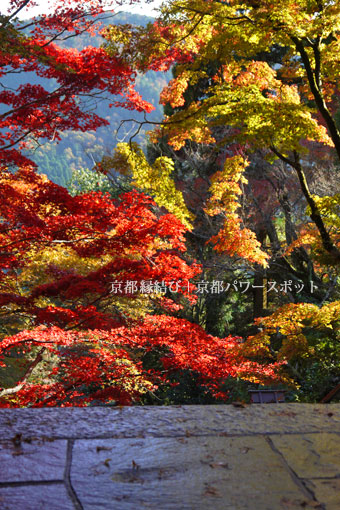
(281,110)
(273,109)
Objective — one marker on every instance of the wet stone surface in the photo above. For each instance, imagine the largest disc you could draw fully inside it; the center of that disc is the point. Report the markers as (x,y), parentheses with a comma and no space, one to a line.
(274,456)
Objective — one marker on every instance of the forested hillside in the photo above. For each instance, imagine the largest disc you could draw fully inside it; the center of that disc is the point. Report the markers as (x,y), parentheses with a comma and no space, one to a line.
(80,150)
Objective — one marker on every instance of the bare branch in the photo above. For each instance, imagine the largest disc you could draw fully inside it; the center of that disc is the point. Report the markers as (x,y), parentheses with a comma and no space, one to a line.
(23,379)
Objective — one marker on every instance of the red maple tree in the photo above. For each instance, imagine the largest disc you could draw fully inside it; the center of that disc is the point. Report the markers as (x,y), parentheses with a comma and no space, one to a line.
(32,112)
(59,257)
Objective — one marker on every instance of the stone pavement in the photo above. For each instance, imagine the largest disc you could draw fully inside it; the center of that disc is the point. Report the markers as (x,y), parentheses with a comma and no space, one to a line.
(262,457)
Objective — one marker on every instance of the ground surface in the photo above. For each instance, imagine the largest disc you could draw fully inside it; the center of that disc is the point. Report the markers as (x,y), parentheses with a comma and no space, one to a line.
(262,457)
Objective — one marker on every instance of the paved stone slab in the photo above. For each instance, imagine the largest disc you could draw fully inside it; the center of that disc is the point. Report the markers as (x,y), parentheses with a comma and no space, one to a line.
(262,457)
(311,455)
(196,473)
(327,492)
(170,421)
(38,460)
(35,497)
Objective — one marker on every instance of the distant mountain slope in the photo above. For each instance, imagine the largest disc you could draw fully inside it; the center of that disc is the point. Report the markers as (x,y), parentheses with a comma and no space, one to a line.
(79,150)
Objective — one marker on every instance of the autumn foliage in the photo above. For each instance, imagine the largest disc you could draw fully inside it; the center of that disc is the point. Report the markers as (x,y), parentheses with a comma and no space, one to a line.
(75,337)
(60,256)
(259,83)
(33,112)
